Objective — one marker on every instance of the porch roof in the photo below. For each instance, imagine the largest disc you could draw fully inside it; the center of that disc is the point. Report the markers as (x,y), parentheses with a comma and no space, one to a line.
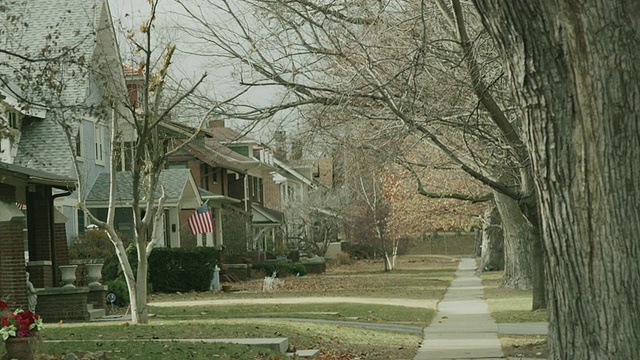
(265,216)
(32,176)
(222,199)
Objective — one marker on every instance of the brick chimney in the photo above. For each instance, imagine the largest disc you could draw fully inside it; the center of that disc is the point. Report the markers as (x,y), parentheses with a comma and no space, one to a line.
(216,124)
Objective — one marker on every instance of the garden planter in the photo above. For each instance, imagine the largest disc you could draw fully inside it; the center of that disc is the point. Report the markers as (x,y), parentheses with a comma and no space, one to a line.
(94,273)
(68,275)
(21,348)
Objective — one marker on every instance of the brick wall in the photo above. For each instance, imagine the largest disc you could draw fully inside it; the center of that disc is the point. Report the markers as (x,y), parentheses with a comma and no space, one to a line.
(271,193)
(13,280)
(62,248)
(41,274)
(97,297)
(72,305)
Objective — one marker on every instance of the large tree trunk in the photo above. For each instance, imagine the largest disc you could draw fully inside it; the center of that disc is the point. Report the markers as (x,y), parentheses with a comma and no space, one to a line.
(517,243)
(492,241)
(575,67)
(524,258)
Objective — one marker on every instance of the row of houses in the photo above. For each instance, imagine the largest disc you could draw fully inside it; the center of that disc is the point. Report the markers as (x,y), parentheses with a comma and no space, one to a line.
(251,188)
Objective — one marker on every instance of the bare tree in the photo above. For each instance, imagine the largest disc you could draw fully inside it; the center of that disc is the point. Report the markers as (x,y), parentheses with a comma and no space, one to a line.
(423,68)
(574,69)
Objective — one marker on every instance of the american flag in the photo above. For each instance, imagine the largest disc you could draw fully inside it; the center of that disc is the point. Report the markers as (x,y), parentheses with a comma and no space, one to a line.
(201,221)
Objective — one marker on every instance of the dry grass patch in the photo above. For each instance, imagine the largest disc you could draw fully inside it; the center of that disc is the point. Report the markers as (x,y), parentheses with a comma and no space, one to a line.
(416,277)
(527,346)
(351,342)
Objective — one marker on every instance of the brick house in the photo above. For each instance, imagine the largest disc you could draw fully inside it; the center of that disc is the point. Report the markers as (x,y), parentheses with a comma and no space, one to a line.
(234,171)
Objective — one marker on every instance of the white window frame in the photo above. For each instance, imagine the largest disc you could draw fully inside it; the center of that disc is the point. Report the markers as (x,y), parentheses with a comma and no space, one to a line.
(80,142)
(98,139)
(14,118)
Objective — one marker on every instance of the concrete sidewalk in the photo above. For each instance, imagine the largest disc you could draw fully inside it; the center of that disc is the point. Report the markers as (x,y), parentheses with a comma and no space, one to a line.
(462,327)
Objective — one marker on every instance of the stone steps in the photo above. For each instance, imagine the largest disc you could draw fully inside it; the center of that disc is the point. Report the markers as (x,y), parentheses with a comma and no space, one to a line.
(95,313)
(304,354)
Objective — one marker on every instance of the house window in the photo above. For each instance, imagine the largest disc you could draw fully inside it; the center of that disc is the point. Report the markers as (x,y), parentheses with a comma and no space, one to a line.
(253,185)
(204,176)
(290,193)
(98,134)
(177,165)
(124,156)
(14,118)
(81,221)
(214,176)
(79,142)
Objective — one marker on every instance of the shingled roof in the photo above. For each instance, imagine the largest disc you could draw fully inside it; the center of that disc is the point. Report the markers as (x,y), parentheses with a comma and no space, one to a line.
(65,30)
(174,181)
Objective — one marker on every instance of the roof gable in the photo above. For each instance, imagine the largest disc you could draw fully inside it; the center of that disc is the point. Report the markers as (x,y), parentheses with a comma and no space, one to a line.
(177,183)
(79,36)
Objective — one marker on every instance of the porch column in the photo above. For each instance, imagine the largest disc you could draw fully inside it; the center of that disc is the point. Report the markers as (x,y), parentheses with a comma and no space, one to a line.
(218,228)
(13,279)
(41,262)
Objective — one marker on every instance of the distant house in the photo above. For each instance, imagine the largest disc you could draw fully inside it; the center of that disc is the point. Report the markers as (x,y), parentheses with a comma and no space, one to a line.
(234,167)
(181,192)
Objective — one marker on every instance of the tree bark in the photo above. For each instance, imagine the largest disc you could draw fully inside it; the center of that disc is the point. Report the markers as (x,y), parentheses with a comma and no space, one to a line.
(575,68)
(492,241)
(517,243)
(524,258)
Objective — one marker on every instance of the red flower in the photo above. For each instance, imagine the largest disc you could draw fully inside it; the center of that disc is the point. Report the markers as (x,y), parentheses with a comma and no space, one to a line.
(3,305)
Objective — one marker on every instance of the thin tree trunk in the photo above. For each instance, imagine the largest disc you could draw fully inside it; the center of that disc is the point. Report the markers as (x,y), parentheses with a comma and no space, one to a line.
(575,67)
(492,258)
(142,285)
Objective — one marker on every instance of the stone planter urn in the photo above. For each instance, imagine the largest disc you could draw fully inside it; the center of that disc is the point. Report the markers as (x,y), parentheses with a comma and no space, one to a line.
(94,273)
(68,275)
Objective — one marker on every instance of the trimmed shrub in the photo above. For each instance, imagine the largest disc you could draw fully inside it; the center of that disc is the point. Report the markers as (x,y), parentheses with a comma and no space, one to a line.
(282,268)
(315,267)
(183,269)
(119,288)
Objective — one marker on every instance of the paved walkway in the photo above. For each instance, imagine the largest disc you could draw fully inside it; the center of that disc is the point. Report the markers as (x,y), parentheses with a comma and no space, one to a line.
(462,327)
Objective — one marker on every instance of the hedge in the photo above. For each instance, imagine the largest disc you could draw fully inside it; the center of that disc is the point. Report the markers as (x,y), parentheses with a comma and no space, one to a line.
(282,268)
(183,269)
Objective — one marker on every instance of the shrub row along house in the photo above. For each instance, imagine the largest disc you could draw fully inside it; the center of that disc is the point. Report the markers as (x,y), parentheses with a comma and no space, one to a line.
(60,69)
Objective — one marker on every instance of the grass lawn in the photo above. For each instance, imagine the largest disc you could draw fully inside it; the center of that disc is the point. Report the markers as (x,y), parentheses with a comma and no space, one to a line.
(509,305)
(514,306)
(331,338)
(340,311)
(417,277)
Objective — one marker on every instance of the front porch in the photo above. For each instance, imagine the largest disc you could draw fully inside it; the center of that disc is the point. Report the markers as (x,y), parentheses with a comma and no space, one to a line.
(34,240)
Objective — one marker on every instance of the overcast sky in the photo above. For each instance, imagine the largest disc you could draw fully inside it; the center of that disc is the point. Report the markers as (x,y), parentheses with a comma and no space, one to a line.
(222,79)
